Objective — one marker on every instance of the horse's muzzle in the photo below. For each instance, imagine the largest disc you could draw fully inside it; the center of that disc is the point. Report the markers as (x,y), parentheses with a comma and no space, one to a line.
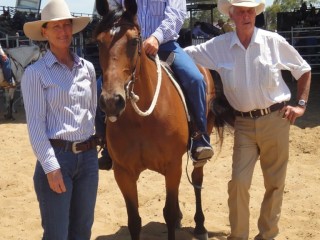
(113,105)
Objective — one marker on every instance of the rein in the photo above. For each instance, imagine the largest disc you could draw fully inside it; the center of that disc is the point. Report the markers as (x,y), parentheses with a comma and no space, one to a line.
(130,95)
(135,98)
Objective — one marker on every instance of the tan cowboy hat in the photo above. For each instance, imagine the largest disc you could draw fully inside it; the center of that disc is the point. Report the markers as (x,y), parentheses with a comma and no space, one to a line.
(55,10)
(224,5)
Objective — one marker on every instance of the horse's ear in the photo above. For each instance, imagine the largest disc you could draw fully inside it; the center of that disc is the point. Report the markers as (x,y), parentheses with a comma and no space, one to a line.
(102,7)
(131,6)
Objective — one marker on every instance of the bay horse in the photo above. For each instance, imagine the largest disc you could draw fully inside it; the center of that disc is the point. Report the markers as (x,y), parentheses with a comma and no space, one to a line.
(152,132)
(20,58)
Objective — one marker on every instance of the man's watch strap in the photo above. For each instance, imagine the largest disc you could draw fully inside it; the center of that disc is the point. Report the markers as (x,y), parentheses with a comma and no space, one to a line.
(302,103)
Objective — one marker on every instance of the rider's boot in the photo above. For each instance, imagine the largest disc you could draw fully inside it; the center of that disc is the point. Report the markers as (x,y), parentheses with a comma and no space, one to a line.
(105,161)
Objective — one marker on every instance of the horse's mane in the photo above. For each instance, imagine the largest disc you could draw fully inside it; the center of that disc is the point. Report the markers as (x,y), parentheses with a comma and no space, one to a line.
(111,17)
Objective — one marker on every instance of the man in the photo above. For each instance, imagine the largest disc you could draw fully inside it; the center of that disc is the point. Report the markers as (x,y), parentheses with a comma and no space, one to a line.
(160,23)
(249,61)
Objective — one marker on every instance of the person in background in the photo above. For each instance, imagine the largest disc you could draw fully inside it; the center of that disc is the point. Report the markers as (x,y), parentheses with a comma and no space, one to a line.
(197,32)
(6,67)
(60,99)
(160,23)
(249,62)
(225,26)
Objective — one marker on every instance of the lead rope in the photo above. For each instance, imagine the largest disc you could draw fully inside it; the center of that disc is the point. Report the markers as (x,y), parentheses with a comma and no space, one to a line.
(134,98)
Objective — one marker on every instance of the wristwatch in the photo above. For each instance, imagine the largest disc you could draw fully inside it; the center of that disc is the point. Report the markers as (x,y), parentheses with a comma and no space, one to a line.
(302,103)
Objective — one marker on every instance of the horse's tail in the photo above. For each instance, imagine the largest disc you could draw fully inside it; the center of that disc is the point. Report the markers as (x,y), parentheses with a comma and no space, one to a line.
(219,106)
(223,115)
(222,111)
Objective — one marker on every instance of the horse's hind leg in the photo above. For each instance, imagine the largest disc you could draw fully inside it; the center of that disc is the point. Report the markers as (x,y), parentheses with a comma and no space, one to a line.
(171,211)
(200,231)
(128,186)
(9,95)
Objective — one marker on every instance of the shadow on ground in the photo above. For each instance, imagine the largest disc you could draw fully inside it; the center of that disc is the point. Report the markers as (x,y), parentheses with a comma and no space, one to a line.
(158,231)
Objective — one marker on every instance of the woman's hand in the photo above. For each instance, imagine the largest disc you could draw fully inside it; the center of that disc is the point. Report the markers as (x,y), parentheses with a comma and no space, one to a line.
(55,180)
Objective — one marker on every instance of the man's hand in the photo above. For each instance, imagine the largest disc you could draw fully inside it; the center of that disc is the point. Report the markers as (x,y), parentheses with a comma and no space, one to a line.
(55,180)
(292,113)
(151,46)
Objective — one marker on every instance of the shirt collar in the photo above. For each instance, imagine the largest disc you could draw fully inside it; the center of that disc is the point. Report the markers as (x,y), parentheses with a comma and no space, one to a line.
(50,59)
(256,38)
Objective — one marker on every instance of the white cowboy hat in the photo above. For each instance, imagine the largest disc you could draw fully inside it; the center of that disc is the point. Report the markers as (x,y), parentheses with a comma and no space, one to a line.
(55,10)
(224,5)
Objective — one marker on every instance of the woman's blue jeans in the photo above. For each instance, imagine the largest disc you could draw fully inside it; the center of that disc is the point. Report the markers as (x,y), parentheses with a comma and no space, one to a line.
(70,215)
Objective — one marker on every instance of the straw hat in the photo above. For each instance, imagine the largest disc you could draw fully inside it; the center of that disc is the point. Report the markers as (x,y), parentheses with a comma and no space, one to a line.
(224,5)
(55,10)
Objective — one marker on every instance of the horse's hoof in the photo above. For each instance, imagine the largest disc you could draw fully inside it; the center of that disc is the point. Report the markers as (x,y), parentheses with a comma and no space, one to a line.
(203,236)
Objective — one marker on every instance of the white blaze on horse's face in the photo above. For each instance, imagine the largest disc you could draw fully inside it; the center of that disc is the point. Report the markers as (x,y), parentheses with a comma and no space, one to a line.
(114,30)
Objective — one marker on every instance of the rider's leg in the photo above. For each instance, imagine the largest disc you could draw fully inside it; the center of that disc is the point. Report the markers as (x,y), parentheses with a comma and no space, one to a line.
(194,87)
(105,161)
(6,68)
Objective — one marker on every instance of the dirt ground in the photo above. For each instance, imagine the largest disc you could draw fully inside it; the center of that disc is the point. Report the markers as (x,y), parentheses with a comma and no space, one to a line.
(300,218)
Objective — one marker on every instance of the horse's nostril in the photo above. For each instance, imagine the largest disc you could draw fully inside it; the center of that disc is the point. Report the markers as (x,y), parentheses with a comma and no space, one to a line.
(112,106)
(120,103)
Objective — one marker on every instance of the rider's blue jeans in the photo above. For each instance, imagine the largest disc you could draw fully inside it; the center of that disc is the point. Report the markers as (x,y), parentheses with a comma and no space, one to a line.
(191,81)
(69,215)
(6,68)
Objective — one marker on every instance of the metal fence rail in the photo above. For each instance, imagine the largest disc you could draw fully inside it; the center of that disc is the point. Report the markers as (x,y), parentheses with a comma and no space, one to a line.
(307,42)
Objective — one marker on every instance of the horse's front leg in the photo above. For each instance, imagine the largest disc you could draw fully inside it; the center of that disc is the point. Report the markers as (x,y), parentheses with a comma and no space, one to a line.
(171,211)
(200,231)
(128,185)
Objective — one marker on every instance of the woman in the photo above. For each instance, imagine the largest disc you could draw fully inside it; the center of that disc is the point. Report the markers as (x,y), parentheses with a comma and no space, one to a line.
(60,97)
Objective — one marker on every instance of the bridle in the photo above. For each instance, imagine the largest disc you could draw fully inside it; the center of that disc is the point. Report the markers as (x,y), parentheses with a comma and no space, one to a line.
(135,72)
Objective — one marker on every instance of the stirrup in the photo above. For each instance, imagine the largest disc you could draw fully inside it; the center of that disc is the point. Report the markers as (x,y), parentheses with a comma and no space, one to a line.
(200,158)
(199,163)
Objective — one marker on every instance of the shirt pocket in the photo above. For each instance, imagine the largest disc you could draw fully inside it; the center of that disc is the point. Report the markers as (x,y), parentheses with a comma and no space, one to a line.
(157,7)
(226,72)
(269,74)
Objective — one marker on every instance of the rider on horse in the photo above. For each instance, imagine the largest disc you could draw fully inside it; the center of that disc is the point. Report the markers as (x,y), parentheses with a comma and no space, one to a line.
(160,26)
(6,67)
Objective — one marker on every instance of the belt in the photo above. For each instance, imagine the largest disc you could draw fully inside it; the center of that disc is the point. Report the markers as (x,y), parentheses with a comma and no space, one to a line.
(261,112)
(77,147)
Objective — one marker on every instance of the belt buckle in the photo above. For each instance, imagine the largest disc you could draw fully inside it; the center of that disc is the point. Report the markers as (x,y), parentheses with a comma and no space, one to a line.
(74,148)
(255,113)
